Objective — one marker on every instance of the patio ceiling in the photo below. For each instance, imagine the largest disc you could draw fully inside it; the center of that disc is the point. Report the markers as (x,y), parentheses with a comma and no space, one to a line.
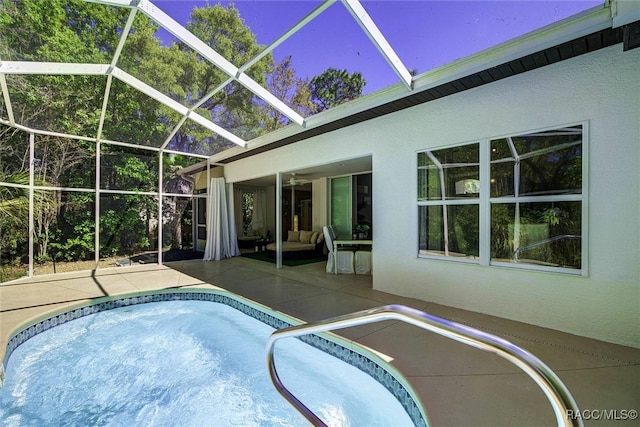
(339,168)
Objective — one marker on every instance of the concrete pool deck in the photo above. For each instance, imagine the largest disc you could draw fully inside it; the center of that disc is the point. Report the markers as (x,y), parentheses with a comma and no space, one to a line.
(458,385)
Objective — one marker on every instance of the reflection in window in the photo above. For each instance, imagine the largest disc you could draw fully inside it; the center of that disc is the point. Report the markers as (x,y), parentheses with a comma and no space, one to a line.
(534,203)
(449,173)
(546,233)
(449,230)
(449,184)
(539,163)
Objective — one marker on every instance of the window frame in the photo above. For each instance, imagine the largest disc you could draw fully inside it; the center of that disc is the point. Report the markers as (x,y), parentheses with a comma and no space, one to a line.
(485,203)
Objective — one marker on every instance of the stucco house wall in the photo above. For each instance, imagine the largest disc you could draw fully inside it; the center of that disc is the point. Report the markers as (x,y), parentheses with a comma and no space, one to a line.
(600,88)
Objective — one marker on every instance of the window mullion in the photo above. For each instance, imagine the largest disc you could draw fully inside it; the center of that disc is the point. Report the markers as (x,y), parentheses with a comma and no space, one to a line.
(485,207)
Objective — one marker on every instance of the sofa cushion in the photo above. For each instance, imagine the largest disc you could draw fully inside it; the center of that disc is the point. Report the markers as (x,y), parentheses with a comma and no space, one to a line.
(294,236)
(314,237)
(305,236)
(291,247)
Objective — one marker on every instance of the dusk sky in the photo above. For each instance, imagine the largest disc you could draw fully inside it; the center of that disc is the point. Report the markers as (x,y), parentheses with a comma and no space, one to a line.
(424,34)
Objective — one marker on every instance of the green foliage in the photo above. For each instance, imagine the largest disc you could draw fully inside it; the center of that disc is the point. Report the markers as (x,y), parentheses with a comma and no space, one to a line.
(74,236)
(126,224)
(76,31)
(284,84)
(234,107)
(14,201)
(334,87)
(247,212)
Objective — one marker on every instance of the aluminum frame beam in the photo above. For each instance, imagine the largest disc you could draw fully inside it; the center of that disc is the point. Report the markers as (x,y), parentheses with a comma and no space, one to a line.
(216,59)
(54,68)
(375,35)
(7,100)
(175,105)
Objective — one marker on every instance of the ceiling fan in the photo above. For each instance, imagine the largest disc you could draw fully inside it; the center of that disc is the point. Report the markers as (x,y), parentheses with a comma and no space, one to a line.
(295,180)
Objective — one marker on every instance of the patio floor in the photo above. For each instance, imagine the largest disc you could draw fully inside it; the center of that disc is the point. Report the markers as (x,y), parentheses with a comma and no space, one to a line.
(459,386)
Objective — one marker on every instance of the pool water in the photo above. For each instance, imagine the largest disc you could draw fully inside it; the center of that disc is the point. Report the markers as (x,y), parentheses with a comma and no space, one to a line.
(191,363)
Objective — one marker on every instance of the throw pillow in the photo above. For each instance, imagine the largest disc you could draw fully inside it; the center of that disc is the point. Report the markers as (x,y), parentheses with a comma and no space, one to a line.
(305,236)
(294,236)
(314,237)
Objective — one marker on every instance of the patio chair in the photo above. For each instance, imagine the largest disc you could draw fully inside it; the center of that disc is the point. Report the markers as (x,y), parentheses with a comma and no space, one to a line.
(362,262)
(344,256)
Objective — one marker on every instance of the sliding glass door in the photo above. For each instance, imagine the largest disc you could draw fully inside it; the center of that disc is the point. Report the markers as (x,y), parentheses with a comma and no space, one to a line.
(352,206)
(341,206)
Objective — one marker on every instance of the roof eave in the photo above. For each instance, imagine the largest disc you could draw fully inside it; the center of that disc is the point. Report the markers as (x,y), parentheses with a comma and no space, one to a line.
(580,25)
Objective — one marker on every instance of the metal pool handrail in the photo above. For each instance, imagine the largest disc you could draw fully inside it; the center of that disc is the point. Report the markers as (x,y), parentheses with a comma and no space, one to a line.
(553,388)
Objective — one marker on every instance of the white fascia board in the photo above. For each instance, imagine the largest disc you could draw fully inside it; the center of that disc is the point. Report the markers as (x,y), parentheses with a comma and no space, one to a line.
(358,105)
(7,100)
(375,35)
(229,152)
(364,103)
(571,28)
(625,12)
(52,68)
(259,141)
(582,24)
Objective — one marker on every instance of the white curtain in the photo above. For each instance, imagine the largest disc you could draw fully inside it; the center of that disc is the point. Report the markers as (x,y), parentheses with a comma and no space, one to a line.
(222,239)
(259,210)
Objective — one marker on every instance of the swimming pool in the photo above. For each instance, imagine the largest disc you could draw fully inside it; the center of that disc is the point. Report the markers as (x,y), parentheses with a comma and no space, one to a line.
(179,359)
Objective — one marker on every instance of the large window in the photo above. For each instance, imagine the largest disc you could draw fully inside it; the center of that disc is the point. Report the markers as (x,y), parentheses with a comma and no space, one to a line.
(510,201)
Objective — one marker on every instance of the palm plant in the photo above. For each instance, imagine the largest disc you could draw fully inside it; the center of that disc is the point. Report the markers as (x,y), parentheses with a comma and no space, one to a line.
(14,214)
(14,201)
(14,204)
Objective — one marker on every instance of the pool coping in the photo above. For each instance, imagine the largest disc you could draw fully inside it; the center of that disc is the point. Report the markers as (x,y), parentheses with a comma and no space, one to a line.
(348,351)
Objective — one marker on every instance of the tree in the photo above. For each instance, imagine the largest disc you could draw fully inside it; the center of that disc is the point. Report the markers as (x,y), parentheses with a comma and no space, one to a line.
(14,201)
(175,208)
(233,107)
(283,83)
(77,31)
(334,87)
